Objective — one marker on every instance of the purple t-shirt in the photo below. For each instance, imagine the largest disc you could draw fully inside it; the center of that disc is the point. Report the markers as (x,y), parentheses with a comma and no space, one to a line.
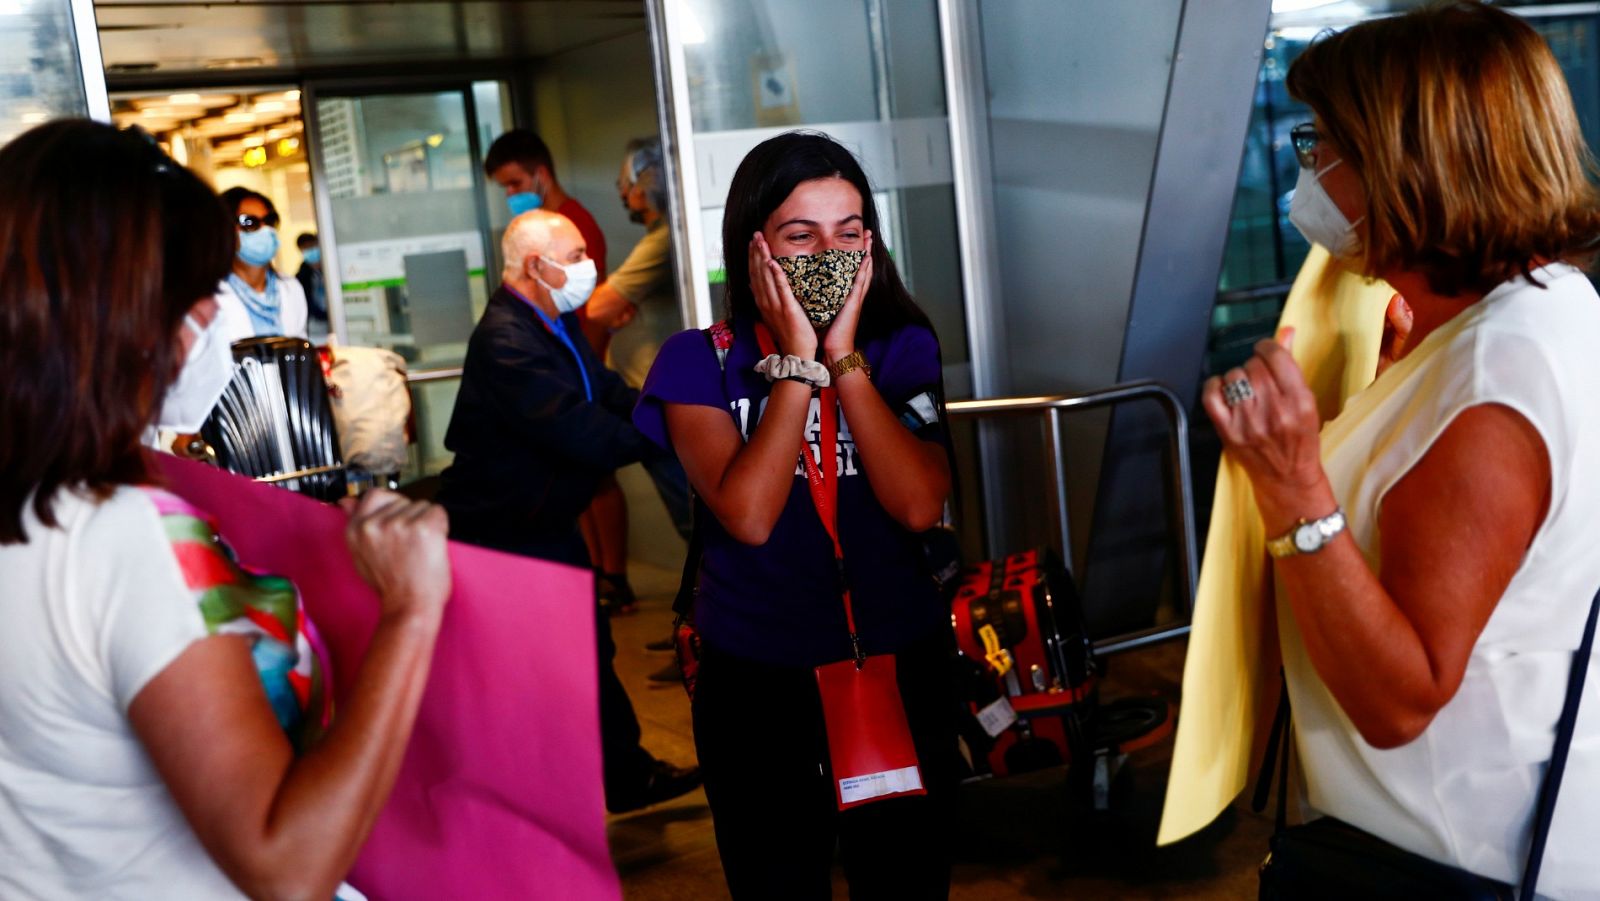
(779,603)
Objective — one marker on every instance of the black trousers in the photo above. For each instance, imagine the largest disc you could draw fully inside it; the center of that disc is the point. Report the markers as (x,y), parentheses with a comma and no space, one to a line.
(759,733)
(627,766)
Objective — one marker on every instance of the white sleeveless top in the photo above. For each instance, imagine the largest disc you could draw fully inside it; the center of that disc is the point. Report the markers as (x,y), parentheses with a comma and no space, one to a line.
(1463,792)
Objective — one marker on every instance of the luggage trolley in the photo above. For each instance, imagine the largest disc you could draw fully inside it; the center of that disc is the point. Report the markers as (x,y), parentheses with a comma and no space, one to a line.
(1018,620)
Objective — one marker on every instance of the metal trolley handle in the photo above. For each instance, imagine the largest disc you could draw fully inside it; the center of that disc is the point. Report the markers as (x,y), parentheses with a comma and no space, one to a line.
(1180,493)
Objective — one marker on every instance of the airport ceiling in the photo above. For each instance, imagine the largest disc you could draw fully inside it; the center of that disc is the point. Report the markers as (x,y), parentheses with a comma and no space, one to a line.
(193,41)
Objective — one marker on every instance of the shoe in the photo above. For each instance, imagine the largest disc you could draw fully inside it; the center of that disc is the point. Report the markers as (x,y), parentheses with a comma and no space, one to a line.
(663,783)
(616,595)
(670,643)
(669,673)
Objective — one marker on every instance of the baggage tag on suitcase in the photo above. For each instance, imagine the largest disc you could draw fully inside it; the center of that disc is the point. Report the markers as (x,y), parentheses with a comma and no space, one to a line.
(997,717)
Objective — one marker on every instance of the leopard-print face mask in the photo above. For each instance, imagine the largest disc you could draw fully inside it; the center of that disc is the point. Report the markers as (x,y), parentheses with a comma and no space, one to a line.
(822,281)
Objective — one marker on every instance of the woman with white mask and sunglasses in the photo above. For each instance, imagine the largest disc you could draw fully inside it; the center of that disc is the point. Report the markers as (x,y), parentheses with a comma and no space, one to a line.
(147,750)
(1434,543)
(255,301)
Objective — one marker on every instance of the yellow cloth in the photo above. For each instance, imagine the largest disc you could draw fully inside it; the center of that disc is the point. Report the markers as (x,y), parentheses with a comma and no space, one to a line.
(1338,320)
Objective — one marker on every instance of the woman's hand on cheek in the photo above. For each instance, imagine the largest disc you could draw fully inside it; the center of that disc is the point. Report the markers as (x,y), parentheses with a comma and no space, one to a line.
(840,338)
(784,316)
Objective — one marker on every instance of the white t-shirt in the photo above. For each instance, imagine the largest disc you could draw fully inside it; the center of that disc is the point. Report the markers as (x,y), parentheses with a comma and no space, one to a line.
(1463,792)
(233,320)
(90,612)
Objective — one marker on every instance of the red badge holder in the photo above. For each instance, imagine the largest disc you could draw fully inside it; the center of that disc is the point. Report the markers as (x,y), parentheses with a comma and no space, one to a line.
(869,739)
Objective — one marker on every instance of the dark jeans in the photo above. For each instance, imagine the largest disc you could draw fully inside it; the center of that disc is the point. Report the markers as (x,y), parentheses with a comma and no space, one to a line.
(627,766)
(759,733)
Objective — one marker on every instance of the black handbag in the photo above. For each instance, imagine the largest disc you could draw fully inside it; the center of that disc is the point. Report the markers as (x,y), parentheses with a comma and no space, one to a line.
(1330,859)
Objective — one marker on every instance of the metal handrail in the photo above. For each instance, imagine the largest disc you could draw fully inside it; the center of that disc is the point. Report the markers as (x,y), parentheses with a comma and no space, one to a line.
(1051,406)
(443,374)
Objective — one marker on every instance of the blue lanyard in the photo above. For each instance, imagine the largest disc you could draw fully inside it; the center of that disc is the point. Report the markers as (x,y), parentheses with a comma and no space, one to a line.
(559,329)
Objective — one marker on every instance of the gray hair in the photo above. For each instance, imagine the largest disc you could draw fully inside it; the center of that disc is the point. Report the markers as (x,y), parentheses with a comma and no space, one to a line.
(646,170)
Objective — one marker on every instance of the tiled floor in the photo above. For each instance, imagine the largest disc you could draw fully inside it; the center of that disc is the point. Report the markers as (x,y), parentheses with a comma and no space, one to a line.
(1019,837)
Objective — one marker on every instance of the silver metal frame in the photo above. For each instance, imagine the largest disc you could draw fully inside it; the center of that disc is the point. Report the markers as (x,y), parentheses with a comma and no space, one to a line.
(677,151)
(323,204)
(86,34)
(1180,492)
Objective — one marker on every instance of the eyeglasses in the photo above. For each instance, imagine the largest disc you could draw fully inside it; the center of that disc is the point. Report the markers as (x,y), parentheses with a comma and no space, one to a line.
(251,223)
(1305,138)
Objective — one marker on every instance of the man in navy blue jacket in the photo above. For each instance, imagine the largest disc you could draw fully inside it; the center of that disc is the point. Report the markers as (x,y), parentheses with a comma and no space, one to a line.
(538,422)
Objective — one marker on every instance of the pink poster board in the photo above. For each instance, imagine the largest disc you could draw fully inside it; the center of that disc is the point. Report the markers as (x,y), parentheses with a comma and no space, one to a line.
(500,793)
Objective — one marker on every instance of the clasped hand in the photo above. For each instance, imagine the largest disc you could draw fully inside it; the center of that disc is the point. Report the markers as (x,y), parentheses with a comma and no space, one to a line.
(1271,428)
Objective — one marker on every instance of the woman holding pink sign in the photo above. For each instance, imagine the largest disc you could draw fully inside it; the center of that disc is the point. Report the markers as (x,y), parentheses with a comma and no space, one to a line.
(810,426)
(140,756)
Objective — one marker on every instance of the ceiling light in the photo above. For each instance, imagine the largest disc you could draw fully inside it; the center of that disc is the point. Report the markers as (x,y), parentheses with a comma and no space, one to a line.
(288,146)
(291,95)
(239,118)
(434,140)
(271,106)
(255,156)
(254,141)
(184,99)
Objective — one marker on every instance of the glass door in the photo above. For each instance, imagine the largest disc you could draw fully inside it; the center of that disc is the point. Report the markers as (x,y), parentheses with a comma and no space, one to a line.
(867,72)
(407,235)
(49,64)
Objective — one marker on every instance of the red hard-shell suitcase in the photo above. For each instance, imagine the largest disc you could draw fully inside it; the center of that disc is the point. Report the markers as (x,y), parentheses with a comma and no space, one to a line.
(1023,611)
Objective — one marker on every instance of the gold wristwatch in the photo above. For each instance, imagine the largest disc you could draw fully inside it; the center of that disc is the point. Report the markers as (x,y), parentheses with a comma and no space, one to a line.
(849,363)
(1308,536)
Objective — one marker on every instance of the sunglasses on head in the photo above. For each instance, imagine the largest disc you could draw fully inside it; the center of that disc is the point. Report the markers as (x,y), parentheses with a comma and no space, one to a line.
(1305,138)
(248,223)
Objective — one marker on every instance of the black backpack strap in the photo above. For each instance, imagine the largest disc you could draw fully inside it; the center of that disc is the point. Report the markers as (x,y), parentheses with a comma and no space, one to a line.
(1276,759)
(1545,811)
(720,336)
(683,604)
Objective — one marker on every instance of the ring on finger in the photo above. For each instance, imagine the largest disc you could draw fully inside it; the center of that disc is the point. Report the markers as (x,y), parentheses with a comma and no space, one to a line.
(1237,392)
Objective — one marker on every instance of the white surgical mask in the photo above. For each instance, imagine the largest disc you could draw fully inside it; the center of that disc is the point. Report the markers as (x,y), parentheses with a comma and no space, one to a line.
(207,370)
(1318,217)
(581,278)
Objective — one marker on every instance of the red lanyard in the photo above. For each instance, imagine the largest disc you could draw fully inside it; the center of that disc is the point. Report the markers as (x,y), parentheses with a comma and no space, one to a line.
(825,488)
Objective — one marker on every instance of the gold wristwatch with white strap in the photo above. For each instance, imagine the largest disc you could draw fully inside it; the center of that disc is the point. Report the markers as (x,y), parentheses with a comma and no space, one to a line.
(1308,536)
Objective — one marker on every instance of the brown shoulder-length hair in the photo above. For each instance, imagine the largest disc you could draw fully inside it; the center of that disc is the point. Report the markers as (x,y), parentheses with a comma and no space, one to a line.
(1458,121)
(105,244)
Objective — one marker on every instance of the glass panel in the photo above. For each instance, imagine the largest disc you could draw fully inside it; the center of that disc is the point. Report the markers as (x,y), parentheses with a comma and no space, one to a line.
(40,76)
(1076,97)
(1265,250)
(408,213)
(869,73)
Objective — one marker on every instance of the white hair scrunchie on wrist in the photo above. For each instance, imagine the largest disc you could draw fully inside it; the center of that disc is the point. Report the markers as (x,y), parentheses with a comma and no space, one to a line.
(790,366)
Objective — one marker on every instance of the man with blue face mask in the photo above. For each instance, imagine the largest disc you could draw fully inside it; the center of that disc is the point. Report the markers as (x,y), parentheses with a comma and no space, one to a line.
(539,423)
(520,163)
(254,301)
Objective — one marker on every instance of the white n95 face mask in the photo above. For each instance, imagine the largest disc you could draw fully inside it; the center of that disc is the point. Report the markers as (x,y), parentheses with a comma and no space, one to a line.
(581,279)
(207,370)
(1319,219)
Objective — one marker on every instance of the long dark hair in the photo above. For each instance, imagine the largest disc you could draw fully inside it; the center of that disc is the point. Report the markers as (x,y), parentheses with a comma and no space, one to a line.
(764,180)
(106,243)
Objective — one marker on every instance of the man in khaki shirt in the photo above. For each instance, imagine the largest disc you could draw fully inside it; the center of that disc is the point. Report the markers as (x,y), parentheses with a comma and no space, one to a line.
(639,301)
